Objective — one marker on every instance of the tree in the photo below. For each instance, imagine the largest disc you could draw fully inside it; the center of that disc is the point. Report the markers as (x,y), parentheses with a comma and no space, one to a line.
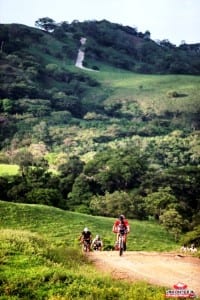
(4,186)
(119,169)
(137,206)
(157,202)
(147,35)
(46,196)
(46,23)
(41,132)
(73,167)
(7,105)
(112,204)
(36,107)
(192,237)
(22,89)
(69,171)
(17,192)
(173,222)
(24,159)
(38,175)
(80,195)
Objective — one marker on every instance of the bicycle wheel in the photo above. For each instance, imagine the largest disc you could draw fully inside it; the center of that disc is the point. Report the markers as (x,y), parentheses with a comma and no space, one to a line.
(121,245)
(86,246)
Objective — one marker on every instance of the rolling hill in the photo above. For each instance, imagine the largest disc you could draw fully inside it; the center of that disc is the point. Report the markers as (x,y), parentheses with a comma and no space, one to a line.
(40,255)
(124,135)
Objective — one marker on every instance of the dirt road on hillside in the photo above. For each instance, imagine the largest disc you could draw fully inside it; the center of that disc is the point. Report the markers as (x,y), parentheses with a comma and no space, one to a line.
(163,269)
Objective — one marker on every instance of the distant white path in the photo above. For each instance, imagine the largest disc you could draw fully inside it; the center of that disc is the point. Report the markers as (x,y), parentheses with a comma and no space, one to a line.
(81,56)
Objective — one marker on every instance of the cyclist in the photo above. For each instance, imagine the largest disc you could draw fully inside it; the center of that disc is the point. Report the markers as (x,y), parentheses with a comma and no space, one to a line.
(121,225)
(86,235)
(97,243)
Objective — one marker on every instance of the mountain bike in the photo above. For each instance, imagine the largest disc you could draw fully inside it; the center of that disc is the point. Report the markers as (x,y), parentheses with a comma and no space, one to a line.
(86,246)
(97,246)
(122,244)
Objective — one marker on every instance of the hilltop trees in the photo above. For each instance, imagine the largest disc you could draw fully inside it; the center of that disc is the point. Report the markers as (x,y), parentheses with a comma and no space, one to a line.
(47,24)
(110,43)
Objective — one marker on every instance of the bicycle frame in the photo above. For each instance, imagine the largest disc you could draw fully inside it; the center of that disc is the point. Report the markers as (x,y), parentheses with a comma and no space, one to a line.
(121,243)
(86,246)
(97,247)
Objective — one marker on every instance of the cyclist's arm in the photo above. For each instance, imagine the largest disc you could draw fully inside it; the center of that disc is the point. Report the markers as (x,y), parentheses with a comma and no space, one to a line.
(127,228)
(93,242)
(115,228)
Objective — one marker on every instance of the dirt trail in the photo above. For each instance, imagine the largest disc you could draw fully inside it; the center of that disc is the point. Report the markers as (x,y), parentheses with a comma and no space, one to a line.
(163,269)
(81,56)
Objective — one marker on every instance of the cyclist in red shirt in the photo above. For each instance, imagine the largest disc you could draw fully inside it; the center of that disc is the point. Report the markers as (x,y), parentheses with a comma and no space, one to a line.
(121,224)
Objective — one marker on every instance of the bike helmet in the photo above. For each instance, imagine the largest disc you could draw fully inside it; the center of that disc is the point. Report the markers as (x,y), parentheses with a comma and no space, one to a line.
(85,229)
(121,217)
(97,237)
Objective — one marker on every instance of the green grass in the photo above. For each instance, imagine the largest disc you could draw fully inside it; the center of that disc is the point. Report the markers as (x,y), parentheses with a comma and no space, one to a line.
(139,95)
(40,255)
(64,227)
(6,169)
(152,91)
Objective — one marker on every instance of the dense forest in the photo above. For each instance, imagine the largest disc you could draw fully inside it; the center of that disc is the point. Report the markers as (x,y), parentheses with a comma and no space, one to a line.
(124,138)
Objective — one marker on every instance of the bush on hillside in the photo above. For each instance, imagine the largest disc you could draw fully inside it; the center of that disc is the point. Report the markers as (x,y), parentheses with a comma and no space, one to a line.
(192,237)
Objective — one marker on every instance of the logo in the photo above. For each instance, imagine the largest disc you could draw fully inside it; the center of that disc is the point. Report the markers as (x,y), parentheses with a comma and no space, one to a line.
(180,291)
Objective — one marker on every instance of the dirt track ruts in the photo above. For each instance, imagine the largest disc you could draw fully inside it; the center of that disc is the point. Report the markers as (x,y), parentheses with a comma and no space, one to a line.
(163,269)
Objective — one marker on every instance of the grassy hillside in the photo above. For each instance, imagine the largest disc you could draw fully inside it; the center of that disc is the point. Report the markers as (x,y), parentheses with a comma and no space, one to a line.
(124,106)
(156,94)
(45,98)
(40,256)
(63,227)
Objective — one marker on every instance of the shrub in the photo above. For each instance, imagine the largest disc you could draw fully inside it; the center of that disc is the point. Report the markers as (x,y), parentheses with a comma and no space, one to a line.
(44,196)
(173,94)
(192,237)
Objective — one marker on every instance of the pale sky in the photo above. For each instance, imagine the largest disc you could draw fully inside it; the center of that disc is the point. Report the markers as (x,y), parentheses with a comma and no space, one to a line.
(175,20)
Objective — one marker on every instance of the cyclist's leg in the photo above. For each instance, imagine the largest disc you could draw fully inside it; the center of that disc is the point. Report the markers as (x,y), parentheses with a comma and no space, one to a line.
(125,239)
(89,245)
(117,241)
(83,245)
